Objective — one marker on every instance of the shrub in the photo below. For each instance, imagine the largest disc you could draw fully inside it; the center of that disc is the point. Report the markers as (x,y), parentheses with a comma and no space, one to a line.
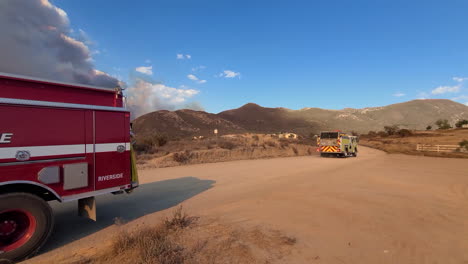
(179,219)
(391,130)
(154,244)
(404,133)
(460,123)
(183,157)
(148,142)
(255,137)
(443,124)
(271,143)
(428,127)
(226,144)
(464,144)
(141,147)
(382,134)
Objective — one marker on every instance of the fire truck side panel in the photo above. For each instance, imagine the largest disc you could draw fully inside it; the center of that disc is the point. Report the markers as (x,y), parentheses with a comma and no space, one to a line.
(52,138)
(41,126)
(112,144)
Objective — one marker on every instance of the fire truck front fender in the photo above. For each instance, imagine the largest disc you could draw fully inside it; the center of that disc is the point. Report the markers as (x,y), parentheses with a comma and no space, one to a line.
(35,188)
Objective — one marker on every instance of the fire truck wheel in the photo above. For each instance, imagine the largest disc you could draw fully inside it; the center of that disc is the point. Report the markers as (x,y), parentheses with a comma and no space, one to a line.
(26,222)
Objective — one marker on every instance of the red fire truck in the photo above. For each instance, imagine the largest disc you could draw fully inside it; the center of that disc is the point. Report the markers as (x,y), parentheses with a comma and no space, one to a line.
(58,141)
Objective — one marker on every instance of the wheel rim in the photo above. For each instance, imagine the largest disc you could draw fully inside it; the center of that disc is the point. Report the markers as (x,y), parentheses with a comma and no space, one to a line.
(16,228)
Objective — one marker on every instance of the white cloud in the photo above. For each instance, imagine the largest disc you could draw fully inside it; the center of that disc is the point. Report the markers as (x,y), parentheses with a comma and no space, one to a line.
(461,97)
(446,89)
(195,78)
(183,57)
(399,94)
(198,68)
(145,70)
(145,97)
(192,77)
(229,74)
(460,79)
(466,103)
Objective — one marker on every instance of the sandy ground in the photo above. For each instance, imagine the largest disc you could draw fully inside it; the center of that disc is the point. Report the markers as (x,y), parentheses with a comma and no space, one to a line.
(376,208)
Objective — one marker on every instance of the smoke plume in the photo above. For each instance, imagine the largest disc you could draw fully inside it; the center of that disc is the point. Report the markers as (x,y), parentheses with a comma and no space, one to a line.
(144,97)
(36,41)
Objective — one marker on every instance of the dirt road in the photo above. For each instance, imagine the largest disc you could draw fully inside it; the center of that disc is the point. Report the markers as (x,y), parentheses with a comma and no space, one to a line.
(376,208)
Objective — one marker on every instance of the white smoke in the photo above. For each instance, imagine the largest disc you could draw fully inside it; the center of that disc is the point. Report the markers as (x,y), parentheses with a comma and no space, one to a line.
(144,97)
(36,41)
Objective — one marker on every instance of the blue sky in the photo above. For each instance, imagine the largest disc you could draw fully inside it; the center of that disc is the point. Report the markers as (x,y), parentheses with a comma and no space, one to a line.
(294,54)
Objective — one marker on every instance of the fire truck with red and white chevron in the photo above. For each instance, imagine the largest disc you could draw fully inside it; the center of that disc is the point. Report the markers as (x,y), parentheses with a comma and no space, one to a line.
(58,141)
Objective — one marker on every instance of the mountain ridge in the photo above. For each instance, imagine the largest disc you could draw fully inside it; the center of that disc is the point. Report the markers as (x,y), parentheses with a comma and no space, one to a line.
(251,117)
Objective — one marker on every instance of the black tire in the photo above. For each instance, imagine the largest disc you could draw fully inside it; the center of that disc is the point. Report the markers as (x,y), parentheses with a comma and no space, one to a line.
(42,215)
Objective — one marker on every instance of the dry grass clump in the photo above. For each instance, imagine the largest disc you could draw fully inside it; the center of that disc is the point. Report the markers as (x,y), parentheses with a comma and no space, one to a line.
(183,239)
(154,244)
(179,220)
(227,144)
(183,157)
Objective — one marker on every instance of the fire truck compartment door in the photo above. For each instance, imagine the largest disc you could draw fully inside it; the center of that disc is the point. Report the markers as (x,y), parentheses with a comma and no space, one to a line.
(75,176)
(112,152)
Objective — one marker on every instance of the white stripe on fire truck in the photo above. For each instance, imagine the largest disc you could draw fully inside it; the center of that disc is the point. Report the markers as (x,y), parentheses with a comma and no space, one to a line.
(89,148)
(59,150)
(108,147)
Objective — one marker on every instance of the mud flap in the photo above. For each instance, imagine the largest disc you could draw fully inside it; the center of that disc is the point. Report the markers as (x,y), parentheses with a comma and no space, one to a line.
(87,208)
(133,168)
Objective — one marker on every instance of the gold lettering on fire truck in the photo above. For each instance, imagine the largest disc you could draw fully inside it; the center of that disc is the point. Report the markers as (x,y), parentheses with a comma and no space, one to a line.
(5,138)
(110,177)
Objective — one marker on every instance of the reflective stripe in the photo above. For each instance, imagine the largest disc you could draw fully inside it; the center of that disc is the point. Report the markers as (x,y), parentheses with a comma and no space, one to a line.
(59,150)
(89,148)
(108,147)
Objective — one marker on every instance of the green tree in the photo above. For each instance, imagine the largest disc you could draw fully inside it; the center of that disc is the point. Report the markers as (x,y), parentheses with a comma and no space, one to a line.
(443,124)
(391,130)
(460,123)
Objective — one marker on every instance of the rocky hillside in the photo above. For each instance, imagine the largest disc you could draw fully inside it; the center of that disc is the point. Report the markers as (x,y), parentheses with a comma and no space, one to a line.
(183,123)
(416,114)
